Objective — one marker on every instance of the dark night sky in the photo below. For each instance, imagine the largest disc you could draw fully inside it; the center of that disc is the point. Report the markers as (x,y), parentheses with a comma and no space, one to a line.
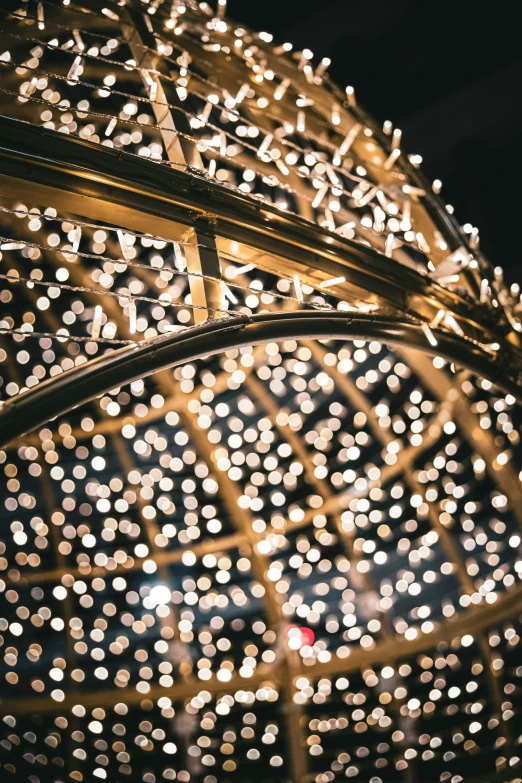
(449,74)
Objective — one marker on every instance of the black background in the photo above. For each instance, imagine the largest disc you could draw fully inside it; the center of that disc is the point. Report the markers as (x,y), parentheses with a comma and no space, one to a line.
(448,73)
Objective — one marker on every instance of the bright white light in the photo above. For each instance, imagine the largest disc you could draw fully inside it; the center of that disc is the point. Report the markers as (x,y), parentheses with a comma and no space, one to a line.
(160,594)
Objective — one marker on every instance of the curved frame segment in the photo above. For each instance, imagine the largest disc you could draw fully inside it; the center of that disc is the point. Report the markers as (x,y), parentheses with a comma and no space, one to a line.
(111,185)
(81,384)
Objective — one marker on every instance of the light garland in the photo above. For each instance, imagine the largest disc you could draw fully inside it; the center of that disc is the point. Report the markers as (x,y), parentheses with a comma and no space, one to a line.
(293,560)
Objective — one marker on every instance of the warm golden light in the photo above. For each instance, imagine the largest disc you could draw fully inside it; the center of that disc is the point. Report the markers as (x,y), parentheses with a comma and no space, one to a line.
(298,552)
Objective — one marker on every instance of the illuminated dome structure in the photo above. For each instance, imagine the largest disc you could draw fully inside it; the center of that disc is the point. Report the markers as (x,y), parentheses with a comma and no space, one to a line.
(261,505)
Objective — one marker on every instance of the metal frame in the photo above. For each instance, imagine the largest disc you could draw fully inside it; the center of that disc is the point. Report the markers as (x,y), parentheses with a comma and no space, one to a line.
(385,652)
(81,384)
(113,186)
(101,183)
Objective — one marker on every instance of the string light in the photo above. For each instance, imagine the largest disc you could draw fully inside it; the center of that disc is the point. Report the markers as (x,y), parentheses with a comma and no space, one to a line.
(283,141)
(132,316)
(75,69)
(350,95)
(390,242)
(97,322)
(188,554)
(333,281)
(179,258)
(41,16)
(392,159)
(298,288)
(396,139)
(265,145)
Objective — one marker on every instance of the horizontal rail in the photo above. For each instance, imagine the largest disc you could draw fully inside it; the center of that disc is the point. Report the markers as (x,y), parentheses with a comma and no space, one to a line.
(391,650)
(81,384)
(102,183)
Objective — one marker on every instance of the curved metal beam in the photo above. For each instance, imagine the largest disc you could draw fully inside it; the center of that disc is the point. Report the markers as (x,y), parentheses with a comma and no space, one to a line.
(441,386)
(336,503)
(242,520)
(360,402)
(102,183)
(85,382)
(473,622)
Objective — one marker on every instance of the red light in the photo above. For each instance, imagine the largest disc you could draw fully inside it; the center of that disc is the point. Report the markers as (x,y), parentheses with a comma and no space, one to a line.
(306,634)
